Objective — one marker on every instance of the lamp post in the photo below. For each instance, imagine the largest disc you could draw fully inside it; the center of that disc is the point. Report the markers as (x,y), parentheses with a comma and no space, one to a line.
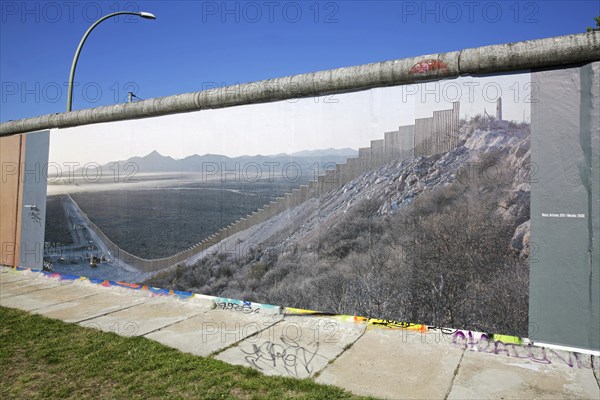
(142,14)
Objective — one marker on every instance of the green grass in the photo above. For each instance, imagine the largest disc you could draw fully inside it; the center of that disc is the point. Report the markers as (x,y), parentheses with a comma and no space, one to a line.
(46,358)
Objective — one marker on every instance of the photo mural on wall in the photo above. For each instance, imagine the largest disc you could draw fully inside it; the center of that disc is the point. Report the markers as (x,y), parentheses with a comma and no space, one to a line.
(408,202)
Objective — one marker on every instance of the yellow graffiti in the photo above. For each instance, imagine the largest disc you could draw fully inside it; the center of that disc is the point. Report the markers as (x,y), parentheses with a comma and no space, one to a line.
(507,339)
(391,324)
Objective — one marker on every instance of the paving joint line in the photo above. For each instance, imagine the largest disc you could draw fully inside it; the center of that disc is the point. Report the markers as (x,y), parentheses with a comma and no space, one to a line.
(17,281)
(234,344)
(31,275)
(111,312)
(455,374)
(346,348)
(172,323)
(35,310)
(34,291)
(25,278)
(594,368)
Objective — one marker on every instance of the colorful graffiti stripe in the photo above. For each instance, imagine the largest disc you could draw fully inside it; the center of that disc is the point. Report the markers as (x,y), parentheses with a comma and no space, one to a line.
(236,305)
(218,301)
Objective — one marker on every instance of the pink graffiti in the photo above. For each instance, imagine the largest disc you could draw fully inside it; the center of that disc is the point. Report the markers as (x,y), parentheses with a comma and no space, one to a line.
(482,343)
(425,66)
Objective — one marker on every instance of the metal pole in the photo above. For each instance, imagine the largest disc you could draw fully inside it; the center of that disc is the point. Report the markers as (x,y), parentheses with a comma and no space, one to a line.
(87,33)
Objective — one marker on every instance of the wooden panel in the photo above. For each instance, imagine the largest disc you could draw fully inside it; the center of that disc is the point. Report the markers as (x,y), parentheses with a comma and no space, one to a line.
(12,153)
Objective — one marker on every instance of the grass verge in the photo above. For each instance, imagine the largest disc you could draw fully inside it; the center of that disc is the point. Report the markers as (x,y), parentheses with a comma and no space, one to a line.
(47,358)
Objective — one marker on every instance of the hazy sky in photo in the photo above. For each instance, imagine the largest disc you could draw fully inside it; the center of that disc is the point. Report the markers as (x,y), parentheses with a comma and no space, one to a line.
(335,121)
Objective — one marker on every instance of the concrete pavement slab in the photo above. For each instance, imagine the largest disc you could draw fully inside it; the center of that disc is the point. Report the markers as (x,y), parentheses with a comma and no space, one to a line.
(14,277)
(144,318)
(19,287)
(214,330)
(15,282)
(383,362)
(23,272)
(491,376)
(395,364)
(61,293)
(101,303)
(298,346)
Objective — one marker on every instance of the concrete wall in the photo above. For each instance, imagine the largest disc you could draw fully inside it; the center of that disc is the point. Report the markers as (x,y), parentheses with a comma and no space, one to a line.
(564,295)
(407,141)
(455,125)
(353,167)
(377,153)
(540,53)
(399,144)
(423,136)
(364,159)
(442,124)
(437,134)
(564,282)
(33,214)
(23,199)
(12,152)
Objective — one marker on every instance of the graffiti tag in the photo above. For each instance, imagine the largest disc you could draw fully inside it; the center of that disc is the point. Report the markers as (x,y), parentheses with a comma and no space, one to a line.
(290,355)
(34,214)
(245,308)
(486,344)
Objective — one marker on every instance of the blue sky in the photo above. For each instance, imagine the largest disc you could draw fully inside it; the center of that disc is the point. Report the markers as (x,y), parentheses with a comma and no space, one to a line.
(199,44)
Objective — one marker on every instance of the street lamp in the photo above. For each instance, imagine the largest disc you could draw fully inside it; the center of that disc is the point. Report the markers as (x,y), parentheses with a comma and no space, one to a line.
(142,14)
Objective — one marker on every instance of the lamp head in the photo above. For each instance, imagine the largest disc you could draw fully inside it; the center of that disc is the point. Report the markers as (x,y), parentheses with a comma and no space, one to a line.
(147,15)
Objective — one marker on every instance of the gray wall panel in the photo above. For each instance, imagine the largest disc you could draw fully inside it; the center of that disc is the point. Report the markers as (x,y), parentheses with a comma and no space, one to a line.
(564,288)
(34,199)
